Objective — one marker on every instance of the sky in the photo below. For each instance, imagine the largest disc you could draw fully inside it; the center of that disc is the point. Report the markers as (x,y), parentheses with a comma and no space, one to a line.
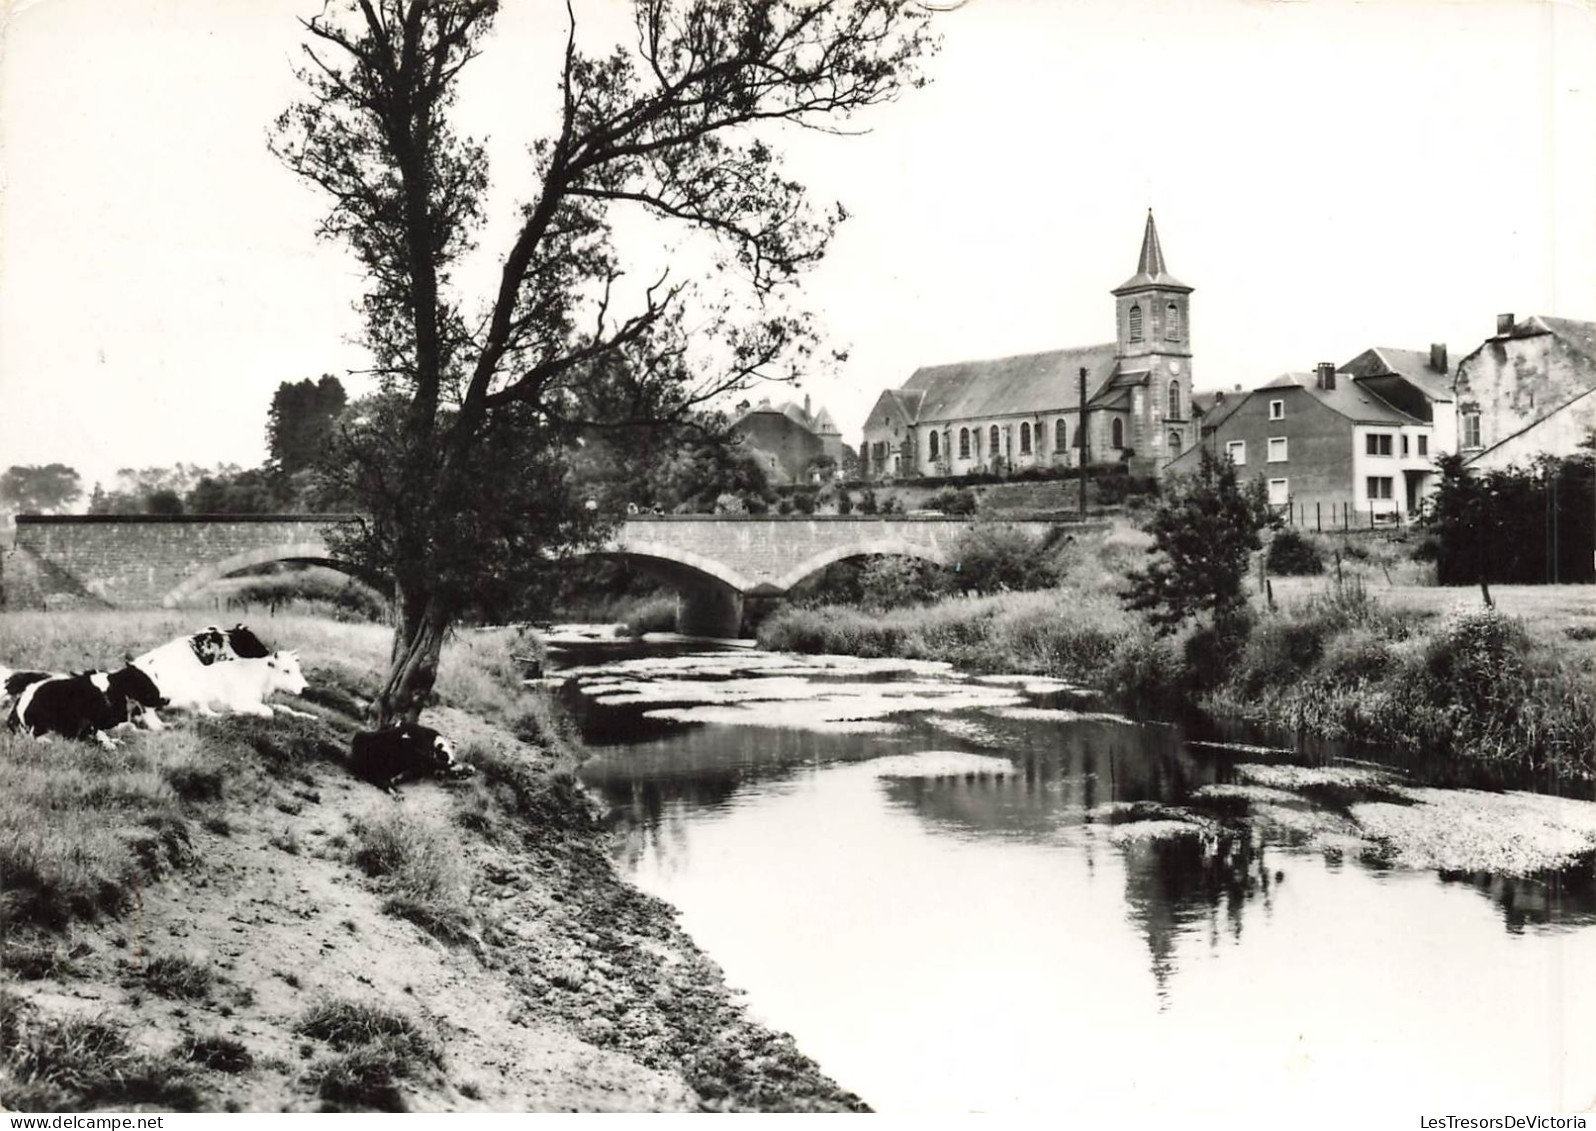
(1328,175)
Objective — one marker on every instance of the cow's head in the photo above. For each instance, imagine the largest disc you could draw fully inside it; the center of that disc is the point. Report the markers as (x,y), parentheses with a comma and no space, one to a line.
(286,675)
(134,690)
(438,749)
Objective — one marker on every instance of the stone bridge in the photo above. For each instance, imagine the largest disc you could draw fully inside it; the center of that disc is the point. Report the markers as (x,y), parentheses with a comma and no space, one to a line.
(715,561)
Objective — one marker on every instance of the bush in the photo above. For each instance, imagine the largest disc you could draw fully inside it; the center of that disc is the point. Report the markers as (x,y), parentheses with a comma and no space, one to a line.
(376,1049)
(1291,554)
(999,557)
(890,582)
(656,614)
(953,501)
(174,976)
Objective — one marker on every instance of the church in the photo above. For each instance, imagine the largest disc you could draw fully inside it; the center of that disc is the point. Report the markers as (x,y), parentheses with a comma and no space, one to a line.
(1007,414)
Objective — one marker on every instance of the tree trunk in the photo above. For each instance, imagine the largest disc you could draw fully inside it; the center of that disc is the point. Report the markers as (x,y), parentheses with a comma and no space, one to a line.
(413,667)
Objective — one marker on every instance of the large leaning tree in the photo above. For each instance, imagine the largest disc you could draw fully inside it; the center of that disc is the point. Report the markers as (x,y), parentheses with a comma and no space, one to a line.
(458,461)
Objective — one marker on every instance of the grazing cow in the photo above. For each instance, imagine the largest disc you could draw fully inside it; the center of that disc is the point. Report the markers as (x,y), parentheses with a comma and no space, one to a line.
(85,705)
(237,686)
(385,758)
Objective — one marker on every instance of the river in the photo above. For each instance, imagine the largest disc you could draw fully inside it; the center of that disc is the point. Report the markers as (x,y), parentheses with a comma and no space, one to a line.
(964,894)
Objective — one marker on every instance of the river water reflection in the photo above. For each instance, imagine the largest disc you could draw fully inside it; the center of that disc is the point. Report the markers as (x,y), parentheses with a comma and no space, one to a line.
(965,894)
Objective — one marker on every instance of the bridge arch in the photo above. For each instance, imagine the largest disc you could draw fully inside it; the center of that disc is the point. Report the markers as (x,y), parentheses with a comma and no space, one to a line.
(680,558)
(312,553)
(880,547)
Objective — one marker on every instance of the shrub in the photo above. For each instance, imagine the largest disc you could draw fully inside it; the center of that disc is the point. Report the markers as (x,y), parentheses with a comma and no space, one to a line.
(216,1052)
(1291,554)
(656,614)
(890,582)
(998,557)
(953,501)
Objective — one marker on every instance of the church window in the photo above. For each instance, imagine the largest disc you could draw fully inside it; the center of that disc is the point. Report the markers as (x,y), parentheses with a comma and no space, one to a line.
(1135,323)
(1172,322)
(996,449)
(964,443)
(936,452)
(1174,443)
(1025,438)
(1117,433)
(1174,400)
(1059,435)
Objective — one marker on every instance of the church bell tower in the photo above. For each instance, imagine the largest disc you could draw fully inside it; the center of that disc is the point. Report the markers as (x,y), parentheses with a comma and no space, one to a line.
(1153,319)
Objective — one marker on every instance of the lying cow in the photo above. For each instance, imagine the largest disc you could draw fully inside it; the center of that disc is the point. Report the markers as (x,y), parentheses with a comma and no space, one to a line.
(82,706)
(200,651)
(13,684)
(237,686)
(385,758)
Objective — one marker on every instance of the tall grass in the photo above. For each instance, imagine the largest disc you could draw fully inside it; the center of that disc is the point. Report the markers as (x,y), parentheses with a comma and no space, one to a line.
(420,869)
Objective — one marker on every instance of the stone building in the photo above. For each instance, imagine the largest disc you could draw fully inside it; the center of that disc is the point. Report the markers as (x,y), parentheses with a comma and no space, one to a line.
(788,438)
(1007,414)
(1527,391)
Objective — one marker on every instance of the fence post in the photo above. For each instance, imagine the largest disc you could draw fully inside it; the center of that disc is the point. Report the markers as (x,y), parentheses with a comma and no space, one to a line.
(1318,518)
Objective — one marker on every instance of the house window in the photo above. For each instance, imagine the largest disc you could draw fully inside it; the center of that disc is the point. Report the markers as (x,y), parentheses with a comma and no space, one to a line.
(1277,449)
(1471,430)
(1172,322)
(936,448)
(1404,443)
(1380,486)
(1116,432)
(1060,433)
(1277,410)
(1424,445)
(1025,438)
(1174,443)
(996,448)
(1377,443)
(1237,451)
(1174,400)
(1279,492)
(1135,323)
(964,443)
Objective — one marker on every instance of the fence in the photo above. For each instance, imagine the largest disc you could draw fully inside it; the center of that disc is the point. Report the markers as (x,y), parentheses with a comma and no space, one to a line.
(1344,517)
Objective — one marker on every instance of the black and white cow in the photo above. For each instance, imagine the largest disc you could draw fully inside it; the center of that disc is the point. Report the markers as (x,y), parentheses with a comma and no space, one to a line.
(387,757)
(85,705)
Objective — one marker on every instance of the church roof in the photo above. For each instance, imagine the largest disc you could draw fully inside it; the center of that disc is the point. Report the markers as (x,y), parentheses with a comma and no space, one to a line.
(1150,269)
(1412,366)
(1006,386)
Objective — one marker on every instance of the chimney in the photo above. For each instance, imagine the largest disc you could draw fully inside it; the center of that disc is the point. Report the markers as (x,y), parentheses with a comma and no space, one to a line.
(806,404)
(1504,324)
(1219,397)
(1438,356)
(1325,375)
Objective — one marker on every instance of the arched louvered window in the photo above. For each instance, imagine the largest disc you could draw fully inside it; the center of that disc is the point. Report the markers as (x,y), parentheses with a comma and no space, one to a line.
(964,443)
(1060,432)
(997,448)
(1135,323)
(1025,438)
(1172,322)
(1117,433)
(1174,401)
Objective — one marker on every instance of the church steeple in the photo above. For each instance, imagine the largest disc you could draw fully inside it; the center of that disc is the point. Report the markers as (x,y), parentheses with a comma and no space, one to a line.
(1150,269)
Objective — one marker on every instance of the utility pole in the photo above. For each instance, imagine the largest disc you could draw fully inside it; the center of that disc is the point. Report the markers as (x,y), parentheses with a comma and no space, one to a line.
(1085,443)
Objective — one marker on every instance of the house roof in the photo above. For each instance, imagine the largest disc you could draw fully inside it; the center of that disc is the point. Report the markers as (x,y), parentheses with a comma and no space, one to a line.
(1413,366)
(1577,335)
(1150,269)
(817,422)
(1348,398)
(1007,386)
(1217,406)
